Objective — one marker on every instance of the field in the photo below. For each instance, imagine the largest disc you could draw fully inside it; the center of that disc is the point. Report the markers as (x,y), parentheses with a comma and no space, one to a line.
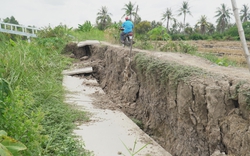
(230,49)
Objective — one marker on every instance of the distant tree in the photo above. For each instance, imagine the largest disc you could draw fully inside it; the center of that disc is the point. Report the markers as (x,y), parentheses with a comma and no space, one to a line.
(233,31)
(176,27)
(155,24)
(137,19)
(188,30)
(103,18)
(224,15)
(211,28)
(203,24)
(245,13)
(185,9)
(143,27)
(158,33)
(167,15)
(87,26)
(11,20)
(130,10)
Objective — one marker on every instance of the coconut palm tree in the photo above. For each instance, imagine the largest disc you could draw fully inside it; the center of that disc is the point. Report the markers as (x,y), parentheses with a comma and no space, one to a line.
(211,28)
(176,27)
(203,24)
(103,17)
(137,19)
(224,15)
(245,13)
(185,9)
(167,15)
(129,10)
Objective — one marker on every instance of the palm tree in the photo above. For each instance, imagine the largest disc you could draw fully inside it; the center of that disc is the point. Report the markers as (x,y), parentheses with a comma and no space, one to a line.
(103,17)
(185,9)
(155,24)
(129,10)
(203,24)
(137,19)
(176,27)
(224,16)
(167,15)
(245,13)
(211,28)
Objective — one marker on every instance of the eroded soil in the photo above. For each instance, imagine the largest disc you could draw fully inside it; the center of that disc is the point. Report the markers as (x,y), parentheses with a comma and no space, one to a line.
(205,115)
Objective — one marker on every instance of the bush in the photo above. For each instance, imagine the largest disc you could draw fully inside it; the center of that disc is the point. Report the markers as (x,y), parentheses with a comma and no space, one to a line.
(86,27)
(170,47)
(158,33)
(175,37)
(217,36)
(197,36)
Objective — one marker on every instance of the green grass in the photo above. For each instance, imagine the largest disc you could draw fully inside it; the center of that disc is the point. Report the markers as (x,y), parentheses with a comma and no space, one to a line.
(32,108)
(190,49)
(162,71)
(221,61)
(94,34)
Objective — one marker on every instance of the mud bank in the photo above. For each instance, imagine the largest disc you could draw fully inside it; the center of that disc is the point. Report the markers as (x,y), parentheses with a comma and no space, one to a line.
(188,105)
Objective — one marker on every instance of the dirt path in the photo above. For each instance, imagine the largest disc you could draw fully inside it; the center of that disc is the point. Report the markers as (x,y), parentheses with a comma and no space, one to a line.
(190,60)
(241,73)
(108,129)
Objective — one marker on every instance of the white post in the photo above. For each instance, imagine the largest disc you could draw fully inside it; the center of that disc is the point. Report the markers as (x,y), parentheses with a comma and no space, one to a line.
(241,32)
(28,37)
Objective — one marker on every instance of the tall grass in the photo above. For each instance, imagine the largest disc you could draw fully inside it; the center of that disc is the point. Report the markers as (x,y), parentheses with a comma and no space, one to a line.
(32,108)
(93,34)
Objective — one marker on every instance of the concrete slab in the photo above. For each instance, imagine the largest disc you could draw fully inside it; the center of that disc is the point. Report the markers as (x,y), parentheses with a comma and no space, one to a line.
(78,71)
(87,42)
(110,131)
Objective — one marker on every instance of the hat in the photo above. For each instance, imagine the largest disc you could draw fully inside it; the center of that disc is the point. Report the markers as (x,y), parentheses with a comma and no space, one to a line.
(126,18)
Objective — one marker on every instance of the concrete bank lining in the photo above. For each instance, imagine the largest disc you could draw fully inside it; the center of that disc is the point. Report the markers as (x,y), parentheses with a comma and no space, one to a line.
(108,129)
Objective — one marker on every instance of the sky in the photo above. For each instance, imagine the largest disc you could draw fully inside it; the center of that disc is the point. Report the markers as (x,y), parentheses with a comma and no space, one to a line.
(43,13)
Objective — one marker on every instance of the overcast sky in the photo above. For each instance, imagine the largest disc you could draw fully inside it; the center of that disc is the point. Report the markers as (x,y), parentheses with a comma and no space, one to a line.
(42,13)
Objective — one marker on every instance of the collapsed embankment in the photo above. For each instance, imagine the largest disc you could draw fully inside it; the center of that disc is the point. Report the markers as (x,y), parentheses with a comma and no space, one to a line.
(186,109)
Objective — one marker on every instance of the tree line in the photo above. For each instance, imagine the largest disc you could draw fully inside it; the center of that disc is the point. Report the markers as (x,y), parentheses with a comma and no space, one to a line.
(181,29)
(178,30)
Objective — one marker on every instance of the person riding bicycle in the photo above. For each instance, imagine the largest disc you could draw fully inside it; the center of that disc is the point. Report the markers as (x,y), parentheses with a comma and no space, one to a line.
(127,27)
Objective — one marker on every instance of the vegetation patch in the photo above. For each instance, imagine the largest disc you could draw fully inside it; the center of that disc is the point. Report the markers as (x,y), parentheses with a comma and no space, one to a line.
(164,71)
(32,108)
(245,92)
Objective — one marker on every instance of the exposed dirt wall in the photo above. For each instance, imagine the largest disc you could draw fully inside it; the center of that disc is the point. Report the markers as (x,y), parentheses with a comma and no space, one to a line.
(188,110)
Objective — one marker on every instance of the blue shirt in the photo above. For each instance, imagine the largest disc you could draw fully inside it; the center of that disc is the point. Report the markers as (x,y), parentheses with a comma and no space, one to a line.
(128,26)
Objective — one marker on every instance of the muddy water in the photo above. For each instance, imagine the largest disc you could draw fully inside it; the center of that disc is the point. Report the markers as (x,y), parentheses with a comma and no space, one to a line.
(109,132)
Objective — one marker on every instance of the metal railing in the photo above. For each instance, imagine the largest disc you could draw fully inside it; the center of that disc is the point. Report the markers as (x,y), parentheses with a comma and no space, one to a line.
(18,29)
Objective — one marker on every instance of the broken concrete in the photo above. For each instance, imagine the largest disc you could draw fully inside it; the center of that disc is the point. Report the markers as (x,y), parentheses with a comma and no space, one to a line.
(85,70)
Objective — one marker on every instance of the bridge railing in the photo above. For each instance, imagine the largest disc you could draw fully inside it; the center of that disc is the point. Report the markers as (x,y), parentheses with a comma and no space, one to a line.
(18,29)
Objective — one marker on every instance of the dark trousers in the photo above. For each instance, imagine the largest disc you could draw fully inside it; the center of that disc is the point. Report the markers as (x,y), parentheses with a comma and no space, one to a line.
(122,36)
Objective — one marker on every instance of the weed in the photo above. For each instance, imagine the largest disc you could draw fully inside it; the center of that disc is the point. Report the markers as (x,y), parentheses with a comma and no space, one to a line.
(144,43)
(10,146)
(170,46)
(137,122)
(181,46)
(133,151)
(246,93)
